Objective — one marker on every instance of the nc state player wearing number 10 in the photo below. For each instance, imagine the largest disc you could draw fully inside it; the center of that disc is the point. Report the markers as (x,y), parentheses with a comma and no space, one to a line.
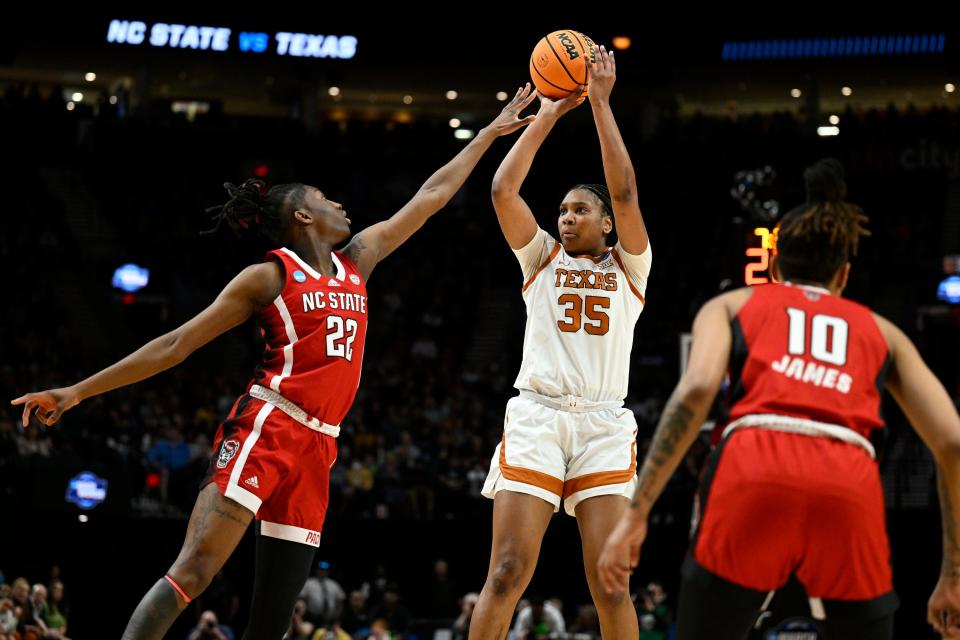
(272,455)
(793,487)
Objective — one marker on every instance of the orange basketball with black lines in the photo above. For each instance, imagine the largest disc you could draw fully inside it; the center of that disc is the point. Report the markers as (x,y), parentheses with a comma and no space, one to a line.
(560,62)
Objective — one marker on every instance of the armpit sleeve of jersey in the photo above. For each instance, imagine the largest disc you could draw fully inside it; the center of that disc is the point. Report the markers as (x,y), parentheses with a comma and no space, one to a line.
(532,255)
(637,266)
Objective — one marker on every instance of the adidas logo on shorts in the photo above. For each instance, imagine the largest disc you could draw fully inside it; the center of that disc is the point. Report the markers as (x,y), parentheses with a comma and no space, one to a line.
(253,482)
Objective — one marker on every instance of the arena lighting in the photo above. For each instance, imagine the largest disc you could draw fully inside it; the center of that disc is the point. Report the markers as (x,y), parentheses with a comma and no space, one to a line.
(113,99)
(407,99)
(834,119)
(86,490)
(949,87)
(828,131)
(502,96)
(463,134)
(131,278)
(751,190)
(90,77)
(949,290)
(334,91)
(77,96)
(849,47)
(621,42)
(206,38)
(795,93)
(452,95)
(847,91)
(71,106)
(454,122)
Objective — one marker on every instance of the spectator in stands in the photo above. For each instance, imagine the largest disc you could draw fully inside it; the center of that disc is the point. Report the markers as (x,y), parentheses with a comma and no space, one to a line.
(652,612)
(461,626)
(440,599)
(380,631)
(299,629)
(209,628)
(356,616)
(55,616)
(539,619)
(8,619)
(324,596)
(587,624)
(391,610)
(335,632)
(20,594)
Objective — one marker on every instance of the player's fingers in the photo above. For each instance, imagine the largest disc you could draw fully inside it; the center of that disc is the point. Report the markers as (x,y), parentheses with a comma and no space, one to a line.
(27,409)
(19,400)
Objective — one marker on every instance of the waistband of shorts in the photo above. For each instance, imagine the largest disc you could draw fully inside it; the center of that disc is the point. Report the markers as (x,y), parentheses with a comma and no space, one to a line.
(802,426)
(572,403)
(288,407)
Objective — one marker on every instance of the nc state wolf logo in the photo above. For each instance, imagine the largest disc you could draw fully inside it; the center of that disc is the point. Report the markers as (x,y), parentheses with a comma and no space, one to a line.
(227,451)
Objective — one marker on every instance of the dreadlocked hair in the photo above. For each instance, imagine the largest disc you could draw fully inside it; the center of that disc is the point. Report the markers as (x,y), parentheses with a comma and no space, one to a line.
(815,239)
(252,204)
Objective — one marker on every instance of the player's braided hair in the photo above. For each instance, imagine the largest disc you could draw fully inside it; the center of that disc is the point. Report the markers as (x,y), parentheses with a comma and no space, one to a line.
(252,204)
(602,193)
(815,239)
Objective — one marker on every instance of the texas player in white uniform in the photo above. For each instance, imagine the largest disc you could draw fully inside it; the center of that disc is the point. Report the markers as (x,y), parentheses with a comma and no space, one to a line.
(567,438)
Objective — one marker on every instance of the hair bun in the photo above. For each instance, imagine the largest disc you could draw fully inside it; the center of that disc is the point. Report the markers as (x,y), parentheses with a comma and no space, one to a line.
(825,181)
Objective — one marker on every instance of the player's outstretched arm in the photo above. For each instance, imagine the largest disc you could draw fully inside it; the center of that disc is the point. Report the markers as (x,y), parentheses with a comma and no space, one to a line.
(931,412)
(617,167)
(676,431)
(516,219)
(251,289)
(377,241)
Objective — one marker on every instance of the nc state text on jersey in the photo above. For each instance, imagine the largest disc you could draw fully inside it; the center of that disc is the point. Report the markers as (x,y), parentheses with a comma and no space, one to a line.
(334,300)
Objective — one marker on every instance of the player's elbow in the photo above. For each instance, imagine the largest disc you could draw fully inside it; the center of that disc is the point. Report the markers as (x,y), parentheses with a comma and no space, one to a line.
(175,349)
(501,190)
(696,389)
(946,449)
(434,198)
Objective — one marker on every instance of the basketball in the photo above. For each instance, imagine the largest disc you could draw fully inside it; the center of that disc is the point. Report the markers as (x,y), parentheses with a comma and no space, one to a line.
(560,62)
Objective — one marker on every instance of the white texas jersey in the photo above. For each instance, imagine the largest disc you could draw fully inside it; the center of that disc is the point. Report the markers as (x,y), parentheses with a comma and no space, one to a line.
(581,312)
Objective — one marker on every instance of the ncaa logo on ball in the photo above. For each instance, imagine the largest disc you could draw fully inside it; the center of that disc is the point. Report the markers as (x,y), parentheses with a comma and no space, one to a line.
(567,42)
(227,451)
(299,276)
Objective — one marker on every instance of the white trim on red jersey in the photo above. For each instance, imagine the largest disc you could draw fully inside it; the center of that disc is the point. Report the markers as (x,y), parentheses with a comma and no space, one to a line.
(288,348)
(341,272)
(234,491)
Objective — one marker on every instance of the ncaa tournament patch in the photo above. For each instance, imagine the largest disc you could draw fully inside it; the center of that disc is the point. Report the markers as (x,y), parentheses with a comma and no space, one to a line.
(299,276)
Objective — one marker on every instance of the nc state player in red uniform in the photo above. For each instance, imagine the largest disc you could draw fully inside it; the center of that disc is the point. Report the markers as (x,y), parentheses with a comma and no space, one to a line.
(273,454)
(793,487)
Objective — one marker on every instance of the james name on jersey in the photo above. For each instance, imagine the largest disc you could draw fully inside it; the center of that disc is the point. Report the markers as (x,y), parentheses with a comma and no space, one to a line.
(813,373)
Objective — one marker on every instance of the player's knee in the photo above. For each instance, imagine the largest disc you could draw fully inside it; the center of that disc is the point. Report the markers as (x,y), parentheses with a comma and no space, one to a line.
(507,575)
(605,601)
(194,574)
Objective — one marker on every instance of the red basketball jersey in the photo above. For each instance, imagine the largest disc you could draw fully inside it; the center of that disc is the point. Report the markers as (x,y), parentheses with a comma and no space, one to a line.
(314,332)
(799,351)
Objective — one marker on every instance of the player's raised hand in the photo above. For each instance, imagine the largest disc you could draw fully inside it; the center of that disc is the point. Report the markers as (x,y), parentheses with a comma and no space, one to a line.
(50,404)
(603,73)
(549,106)
(509,119)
